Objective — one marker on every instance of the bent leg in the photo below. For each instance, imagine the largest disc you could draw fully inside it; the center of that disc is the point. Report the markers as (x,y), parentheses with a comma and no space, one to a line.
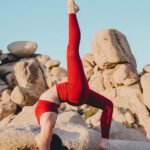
(76,89)
(99,101)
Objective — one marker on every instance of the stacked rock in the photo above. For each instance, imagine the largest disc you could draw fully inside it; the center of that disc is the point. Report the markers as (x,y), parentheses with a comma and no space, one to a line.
(6,66)
(145,84)
(24,76)
(111,71)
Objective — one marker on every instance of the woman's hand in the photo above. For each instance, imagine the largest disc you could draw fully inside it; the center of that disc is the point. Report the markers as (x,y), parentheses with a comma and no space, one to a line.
(104,144)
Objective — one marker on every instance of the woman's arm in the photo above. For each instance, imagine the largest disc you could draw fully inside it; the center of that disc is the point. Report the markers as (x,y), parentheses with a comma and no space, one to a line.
(47,123)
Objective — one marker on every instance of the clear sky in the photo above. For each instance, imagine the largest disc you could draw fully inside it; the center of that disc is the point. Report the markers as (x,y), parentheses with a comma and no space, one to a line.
(45,22)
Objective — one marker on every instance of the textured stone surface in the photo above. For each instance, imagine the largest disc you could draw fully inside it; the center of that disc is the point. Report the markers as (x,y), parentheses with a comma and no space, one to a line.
(96,82)
(131,98)
(6,68)
(42,59)
(88,72)
(55,75)
(3,87)
(5,121)
(118,115)
(122,74)
(18,137)
(147,68)
(52,63)
(129,117)
(26,116)
(76,134)
(6,96)
(70,127)
(88,59)
(58,71)
(7,58)
(128,145)
(29,76)
(2,82)
(22,48)
(95,119)
(110,70)
(7,109)
(21,97)
(111,47)
(10,79)
(125,74)
(145,83)
(22,137)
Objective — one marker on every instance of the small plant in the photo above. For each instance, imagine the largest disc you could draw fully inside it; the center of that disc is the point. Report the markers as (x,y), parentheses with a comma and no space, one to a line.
(89,113)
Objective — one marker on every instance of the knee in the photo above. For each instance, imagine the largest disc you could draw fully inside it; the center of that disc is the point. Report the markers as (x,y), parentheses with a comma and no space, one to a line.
(110,105)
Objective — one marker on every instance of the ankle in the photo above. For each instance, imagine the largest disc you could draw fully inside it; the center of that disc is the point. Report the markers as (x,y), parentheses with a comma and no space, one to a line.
(71,11)
(70,7)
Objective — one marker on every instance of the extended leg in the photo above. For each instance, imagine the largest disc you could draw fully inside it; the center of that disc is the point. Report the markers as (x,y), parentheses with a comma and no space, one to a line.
(76,89)
(99,101)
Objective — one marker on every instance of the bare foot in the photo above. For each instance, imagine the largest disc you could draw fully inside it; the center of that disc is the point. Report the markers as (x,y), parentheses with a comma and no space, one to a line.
(76,7)
(104,144)
(72,6)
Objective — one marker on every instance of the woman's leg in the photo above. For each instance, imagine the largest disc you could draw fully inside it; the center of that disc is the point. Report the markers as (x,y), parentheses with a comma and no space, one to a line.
(75,91)
(99,101)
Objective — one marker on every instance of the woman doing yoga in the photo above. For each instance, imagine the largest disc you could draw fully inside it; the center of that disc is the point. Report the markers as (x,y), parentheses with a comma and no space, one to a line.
(75,91)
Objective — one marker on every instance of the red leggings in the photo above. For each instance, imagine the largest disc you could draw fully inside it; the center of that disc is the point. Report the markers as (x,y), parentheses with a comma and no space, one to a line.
(76,91)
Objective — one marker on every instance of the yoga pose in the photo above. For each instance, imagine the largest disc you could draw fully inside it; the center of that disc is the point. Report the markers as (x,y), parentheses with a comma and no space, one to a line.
(75,91)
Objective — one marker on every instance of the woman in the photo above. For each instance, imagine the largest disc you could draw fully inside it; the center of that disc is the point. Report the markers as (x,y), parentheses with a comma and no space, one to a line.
(75,92)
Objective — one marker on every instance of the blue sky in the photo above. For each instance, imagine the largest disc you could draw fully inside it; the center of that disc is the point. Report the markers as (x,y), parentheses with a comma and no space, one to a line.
(45,21)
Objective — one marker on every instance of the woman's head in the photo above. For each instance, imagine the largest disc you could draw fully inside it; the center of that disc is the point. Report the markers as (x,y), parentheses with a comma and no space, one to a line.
(56,143)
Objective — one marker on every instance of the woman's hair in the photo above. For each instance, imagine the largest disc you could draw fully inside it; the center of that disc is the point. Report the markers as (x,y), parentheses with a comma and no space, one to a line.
(56,143)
